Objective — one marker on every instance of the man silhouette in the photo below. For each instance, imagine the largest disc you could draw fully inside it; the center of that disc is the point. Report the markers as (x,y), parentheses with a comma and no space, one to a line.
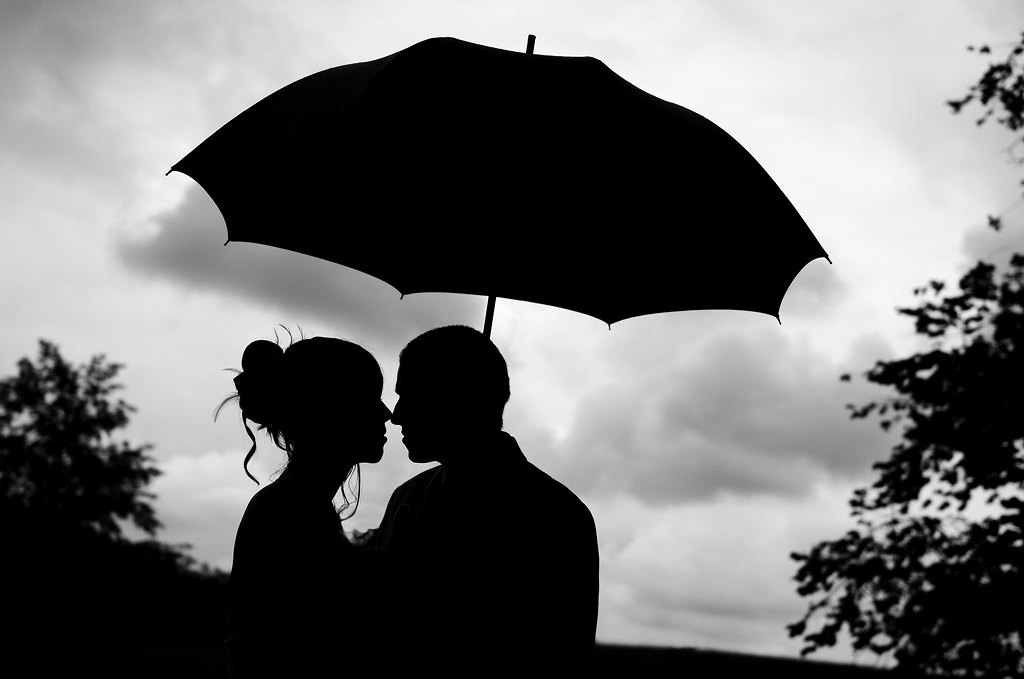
(496,562)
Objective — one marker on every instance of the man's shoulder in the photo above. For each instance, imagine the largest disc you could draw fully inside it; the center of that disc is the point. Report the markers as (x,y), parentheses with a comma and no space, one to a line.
(417,484)
(541,487)
(545,489)
(407,500)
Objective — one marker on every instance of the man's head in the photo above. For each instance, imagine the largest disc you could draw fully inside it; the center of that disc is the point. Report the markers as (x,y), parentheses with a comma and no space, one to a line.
(452,388)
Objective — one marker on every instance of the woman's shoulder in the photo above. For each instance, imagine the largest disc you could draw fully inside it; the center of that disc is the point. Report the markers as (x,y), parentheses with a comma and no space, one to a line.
(273,503)
(265,499)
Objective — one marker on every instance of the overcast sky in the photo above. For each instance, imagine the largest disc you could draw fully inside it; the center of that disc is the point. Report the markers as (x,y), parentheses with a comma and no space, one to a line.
(709,445)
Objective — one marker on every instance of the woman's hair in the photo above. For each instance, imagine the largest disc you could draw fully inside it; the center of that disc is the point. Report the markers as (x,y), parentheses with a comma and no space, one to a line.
(285,390)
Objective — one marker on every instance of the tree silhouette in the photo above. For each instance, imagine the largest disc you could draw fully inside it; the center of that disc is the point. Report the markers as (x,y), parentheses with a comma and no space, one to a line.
(59,462)
(938,587)
(77,590)
(932,572)
(1000,94)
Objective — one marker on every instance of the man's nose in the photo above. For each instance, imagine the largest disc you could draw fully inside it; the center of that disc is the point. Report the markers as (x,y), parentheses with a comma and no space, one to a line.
(387,411)
(395,416)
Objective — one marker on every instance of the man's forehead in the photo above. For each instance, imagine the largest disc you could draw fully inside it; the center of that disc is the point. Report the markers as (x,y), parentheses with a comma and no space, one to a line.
(407,379)
(419,378)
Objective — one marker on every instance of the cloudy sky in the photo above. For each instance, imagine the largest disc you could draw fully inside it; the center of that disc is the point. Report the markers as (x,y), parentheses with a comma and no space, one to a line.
(709,445)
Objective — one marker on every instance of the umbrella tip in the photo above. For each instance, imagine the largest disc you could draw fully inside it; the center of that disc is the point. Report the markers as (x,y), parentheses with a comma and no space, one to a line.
(531,40)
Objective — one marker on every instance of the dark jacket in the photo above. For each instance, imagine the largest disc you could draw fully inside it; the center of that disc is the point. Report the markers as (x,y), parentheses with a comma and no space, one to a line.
(494,566)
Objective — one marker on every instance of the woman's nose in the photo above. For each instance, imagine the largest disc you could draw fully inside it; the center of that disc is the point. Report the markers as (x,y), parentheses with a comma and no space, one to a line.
(388,414)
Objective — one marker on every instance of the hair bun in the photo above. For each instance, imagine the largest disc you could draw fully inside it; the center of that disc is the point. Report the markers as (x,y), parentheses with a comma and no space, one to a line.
(259,381)
(261,355)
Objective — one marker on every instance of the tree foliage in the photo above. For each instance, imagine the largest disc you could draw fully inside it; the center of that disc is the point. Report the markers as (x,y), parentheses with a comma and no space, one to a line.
(73,580)
(999,91)
(59,462)
(1000,95)
(931,574)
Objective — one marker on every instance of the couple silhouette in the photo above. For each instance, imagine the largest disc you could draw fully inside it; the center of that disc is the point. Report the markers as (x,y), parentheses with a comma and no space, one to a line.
(482,565)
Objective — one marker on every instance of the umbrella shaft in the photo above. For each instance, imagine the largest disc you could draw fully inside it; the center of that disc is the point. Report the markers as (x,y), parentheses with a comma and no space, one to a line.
(489,316)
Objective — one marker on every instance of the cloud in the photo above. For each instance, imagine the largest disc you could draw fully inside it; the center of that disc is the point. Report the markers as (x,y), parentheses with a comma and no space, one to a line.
(695,575)
(200,500)
(188,247)
(816,292)
(741,413)
(983,243)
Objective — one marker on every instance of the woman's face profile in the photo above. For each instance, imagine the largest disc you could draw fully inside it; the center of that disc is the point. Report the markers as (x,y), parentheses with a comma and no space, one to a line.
(369,430)
(355,424)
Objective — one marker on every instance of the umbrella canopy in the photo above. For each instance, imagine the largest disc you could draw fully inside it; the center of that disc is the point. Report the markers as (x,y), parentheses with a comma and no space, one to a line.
(455,167)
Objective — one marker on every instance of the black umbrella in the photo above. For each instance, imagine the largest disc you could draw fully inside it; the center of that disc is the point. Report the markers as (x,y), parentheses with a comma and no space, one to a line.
(453,167)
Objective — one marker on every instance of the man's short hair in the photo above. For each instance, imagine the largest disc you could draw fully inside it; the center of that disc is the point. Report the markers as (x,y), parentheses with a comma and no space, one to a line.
(460,360)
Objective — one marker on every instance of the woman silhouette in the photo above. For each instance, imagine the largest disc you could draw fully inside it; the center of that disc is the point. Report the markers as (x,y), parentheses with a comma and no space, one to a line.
(294,575)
